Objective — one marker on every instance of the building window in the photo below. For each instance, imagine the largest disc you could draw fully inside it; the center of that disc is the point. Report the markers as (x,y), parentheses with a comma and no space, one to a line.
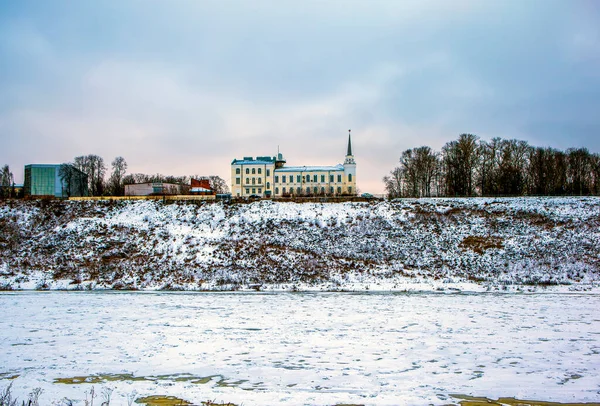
(253,171)
(247,171)
(259,181)
(268,172)
(315,178)
(298,179)
(298,190)
(247,191)
(339,190)
(323,190)
(238,195)
(283,190)
(276,179)
(307,178)
(259,171)
(237,171)
(283,180)
(268,185)
(331,179)
(254,181)
(331,190)
(247,180)
(237,181)
(349,177)
(276,190)
(340,178)
(259,191)
(349,189)
(322,178)
(315,189)
(307,190)
(253,191)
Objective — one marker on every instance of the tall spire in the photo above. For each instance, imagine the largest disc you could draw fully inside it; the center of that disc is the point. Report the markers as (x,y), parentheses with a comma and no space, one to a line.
(349,144)
(349,157)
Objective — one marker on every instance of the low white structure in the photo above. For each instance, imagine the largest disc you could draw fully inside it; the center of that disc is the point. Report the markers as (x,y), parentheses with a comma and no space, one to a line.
(152,188)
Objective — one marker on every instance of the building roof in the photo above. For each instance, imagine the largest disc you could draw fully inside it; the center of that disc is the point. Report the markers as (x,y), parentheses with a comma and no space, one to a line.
(43,165)
(56,166)
(338,167)
(199,190)
(248,160)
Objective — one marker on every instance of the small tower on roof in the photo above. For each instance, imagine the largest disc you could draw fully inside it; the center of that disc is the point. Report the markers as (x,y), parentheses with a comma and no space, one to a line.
(349,157)
(279,159)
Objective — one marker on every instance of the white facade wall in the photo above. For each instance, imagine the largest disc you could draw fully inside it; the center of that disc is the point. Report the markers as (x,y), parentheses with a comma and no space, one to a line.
(309,181)
(252,178)
(150,188)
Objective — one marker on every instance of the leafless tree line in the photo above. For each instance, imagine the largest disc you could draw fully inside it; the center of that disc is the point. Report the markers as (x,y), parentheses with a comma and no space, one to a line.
(469,166)
(94,184)
(95,169)
(86,176)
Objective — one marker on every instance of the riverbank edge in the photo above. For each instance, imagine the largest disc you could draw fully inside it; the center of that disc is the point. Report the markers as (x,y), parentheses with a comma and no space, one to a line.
(37,282)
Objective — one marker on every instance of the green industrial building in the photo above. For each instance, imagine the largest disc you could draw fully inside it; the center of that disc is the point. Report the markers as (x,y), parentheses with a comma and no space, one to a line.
(54,180)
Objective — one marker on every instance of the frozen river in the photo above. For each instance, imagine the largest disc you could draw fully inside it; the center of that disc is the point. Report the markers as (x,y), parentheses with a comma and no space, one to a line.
(302,348)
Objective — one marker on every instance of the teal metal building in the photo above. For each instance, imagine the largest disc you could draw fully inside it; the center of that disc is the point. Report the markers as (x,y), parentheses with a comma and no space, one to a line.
(46,180)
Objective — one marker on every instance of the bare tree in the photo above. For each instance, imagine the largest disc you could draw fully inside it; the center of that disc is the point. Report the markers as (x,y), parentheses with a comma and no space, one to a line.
(488,166)
(595,169)
(93,166)
(538,175)
(427,166)
(579,180)
(460,160)
(218,184)
(394,183)
(408,165)
(512,167)
(115,183)
(418,167)
(7,182)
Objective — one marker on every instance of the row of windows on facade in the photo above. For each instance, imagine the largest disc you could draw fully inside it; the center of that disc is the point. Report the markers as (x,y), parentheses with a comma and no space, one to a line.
(254,171)
(315,178)
(299,179)
(314,190)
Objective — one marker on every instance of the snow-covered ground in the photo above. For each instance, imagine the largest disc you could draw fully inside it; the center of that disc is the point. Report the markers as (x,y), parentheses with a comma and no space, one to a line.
(427,244)
(302,348)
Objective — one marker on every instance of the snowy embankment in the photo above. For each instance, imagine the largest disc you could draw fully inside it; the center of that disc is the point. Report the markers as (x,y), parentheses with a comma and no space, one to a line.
(425,244)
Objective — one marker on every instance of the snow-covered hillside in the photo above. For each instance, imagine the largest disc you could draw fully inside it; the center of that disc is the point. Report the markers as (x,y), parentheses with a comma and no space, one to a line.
(409,244)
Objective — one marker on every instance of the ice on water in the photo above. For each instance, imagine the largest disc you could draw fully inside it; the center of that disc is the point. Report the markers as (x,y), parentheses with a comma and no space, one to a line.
(304,348)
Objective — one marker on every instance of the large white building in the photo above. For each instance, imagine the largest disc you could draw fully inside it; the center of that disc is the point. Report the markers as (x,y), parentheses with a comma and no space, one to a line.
(268,176)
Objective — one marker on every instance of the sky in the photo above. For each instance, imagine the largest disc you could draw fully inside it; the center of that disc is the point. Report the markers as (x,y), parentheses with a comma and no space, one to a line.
(183,87)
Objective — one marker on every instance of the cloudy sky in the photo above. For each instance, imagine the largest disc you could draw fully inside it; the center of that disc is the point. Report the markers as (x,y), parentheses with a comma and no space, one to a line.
(183,87)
